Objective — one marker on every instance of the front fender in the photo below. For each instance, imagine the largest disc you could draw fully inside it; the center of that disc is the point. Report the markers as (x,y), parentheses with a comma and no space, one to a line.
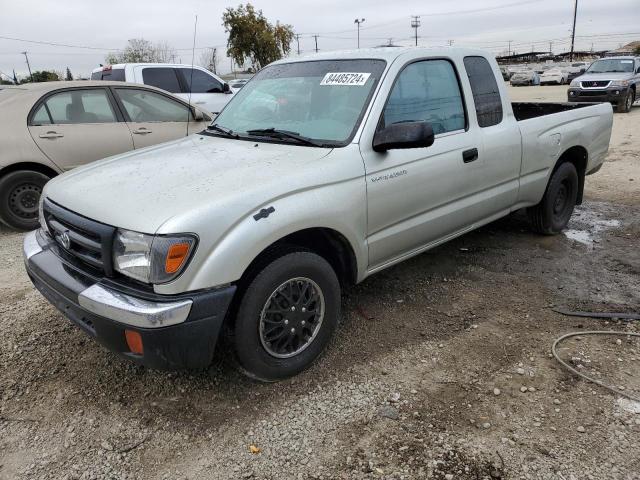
(338,206)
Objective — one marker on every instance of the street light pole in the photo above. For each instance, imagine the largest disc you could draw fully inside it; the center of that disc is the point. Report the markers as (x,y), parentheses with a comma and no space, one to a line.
(28,66)
(358,22)
(573,33)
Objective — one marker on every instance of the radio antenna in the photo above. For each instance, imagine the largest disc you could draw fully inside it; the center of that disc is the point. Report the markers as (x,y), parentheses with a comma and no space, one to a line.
(193,54)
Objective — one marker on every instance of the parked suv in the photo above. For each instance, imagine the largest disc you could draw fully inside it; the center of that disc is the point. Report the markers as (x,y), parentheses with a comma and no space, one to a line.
(207,90)
(615,80)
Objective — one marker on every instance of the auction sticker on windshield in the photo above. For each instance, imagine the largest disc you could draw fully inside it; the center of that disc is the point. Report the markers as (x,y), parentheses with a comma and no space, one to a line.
(345,78)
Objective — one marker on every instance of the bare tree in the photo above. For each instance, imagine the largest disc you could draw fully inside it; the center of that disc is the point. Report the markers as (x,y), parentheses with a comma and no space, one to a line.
(139,50)
(165,53)
(209,59)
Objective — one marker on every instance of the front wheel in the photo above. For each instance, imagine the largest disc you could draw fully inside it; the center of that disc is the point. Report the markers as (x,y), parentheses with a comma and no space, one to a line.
(286,316)
(552,214)
(625,105)
(19,196)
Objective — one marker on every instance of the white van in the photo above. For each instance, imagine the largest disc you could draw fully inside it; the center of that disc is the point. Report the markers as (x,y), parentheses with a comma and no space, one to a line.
(209,91)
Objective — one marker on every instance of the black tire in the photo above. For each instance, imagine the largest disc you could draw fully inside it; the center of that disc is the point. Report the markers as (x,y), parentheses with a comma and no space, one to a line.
(250,334)
(625,105)
(551,215)
(19,196)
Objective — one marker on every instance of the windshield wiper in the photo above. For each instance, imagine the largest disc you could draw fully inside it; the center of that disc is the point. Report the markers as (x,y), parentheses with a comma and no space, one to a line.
(282,134)
(227,131)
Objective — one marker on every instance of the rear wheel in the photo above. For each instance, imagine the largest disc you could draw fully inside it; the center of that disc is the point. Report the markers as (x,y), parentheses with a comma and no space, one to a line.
(19,196)
(625,105)
(552,214)
(286,316)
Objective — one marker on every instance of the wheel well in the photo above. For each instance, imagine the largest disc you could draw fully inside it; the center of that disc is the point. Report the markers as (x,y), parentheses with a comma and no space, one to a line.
(33,166)
(328,243)
(578,156)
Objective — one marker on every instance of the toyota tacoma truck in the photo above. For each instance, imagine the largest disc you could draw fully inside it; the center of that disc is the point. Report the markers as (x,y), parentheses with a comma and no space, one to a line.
(321,171)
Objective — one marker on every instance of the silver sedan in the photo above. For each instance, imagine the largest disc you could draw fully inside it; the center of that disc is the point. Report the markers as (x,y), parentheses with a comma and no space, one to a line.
(49,128)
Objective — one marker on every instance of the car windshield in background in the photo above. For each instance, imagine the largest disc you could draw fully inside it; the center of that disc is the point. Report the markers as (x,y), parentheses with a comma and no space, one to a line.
(320,100)
(611,65)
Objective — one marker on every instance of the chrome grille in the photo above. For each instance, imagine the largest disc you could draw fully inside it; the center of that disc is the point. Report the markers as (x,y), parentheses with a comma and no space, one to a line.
(595,83)
(85,239)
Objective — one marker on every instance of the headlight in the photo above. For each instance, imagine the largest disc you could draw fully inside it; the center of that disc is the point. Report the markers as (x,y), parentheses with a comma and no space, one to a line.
(151,258)
(574,83)
(620,83)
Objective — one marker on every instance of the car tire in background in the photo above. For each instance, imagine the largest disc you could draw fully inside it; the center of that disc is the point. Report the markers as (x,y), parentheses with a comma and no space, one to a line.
(19,196)
(552,214)
(286,315)
(625,105)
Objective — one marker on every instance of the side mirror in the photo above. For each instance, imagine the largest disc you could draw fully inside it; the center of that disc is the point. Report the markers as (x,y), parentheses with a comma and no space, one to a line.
(198,116)
(404,135)
(226,88)
(638,70)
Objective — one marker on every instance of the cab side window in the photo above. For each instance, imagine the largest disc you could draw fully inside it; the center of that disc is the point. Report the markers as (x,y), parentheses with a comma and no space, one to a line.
(76,106)
(484,87)
(427,90)
(198,81)
(161,77)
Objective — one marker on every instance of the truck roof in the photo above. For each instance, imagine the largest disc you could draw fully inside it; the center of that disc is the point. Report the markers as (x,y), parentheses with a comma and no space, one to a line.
(123,65)
(384,53)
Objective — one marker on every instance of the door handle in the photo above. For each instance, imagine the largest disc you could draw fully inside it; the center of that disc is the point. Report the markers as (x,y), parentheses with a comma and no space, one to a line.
(470,155)
(141,131)
(51,134)
(199,103)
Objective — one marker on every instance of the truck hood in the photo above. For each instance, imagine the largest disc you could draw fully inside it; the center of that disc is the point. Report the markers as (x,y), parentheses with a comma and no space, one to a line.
(143,189)
(588,77)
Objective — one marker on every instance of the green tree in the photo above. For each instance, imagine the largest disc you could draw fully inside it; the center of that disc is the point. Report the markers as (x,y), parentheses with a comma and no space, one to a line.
(42,76)
(252,38)
(68,76)
(637,50)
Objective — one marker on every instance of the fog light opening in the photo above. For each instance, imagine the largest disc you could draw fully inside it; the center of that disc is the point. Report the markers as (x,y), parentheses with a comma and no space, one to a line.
(134,342)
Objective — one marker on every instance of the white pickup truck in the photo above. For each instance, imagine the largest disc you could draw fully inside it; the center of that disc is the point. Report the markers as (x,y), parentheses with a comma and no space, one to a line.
(319,172)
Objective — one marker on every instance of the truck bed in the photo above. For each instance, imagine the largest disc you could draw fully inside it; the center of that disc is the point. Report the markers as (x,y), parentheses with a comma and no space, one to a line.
(527,110)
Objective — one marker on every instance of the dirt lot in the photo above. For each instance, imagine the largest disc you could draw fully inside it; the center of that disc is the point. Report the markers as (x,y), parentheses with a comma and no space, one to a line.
(423,380)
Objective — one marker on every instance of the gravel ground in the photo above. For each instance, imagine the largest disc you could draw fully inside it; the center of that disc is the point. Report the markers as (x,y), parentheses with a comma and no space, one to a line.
(441,369)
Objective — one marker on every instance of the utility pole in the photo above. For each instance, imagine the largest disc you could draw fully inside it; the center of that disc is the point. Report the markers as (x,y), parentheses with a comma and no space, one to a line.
(298,40)
(316,39)
(551,49)
(510,47)
(450,42)
(573,33)
(415,23)
(358,22)
(28,66)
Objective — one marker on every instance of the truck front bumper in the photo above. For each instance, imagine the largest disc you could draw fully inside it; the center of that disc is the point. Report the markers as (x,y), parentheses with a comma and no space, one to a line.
(177,332)
(609,95)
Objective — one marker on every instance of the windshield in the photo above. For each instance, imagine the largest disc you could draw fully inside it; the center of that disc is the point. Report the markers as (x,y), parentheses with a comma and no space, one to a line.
(320,100)
(612,65)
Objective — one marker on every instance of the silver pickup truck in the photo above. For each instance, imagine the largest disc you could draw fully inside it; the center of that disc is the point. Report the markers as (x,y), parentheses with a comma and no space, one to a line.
(320,172)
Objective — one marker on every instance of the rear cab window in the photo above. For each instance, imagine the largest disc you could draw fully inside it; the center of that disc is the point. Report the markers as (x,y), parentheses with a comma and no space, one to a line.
(161,77)
(486,96)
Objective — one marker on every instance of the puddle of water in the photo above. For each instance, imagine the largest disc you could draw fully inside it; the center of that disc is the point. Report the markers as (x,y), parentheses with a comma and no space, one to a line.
(592,227)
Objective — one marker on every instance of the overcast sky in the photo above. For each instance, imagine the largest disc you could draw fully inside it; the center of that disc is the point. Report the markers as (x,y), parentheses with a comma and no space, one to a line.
(106,26)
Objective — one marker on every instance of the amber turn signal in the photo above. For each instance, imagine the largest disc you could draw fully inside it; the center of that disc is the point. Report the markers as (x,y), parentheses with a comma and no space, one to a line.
(175,257)
(134,342)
